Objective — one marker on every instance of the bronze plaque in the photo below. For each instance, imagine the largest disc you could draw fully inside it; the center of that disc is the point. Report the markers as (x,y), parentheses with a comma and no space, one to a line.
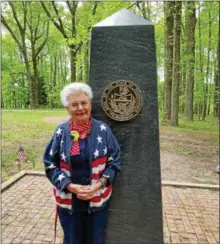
(121,100)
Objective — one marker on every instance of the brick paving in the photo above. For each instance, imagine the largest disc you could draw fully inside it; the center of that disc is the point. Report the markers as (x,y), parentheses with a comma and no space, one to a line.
(190,215)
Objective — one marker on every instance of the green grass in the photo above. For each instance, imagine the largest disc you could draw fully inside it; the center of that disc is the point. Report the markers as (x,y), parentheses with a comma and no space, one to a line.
(184,150)
(202,126)
(210,125)
(28,128)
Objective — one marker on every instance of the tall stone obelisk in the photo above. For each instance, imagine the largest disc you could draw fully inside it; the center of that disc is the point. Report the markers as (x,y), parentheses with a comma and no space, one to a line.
(123,77)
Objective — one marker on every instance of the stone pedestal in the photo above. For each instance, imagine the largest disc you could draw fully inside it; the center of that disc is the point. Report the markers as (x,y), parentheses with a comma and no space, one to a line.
(123,53)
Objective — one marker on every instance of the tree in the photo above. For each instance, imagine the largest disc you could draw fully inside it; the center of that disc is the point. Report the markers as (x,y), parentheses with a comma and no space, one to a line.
(206,87)
(176,65)
(42,91)
(217,74)
(68,30)
(38,30)
(13,79)
(200,66)
(84,30)
(32,27)
(145,11)
(18,24)
(168,57)
(190,57)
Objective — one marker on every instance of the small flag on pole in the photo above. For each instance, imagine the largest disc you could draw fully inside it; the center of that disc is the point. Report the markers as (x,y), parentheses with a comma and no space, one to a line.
(22,156)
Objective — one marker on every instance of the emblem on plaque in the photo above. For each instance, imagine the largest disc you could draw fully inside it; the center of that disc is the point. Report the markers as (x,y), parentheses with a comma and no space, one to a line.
(121,100)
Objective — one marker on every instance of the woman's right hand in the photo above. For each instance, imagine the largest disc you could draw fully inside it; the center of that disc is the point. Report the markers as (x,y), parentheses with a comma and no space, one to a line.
(74,188)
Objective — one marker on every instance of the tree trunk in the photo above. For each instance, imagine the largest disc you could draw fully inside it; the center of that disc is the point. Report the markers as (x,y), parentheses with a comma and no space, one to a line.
(73,51)
(143,10)
(176,65)
(80,68)
(36,88)
(217,76)
(63,67)
(36,78)
(148,9)
(55,71)
(211,87)
(86,48)
(190,54)
(2,101)
(206,86)
(201,78)
(86,63)
(168,57)
(182,88)
(51,73)
(73,63)
(217,94)
(29,80)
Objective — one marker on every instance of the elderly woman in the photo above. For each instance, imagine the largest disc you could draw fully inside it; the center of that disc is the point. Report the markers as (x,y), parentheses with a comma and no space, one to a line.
(82,160)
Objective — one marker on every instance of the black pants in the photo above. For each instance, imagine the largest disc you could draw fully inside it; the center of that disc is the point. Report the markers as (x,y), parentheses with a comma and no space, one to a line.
(82,227)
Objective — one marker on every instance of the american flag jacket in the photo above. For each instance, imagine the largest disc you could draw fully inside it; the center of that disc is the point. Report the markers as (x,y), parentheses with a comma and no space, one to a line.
(104,157)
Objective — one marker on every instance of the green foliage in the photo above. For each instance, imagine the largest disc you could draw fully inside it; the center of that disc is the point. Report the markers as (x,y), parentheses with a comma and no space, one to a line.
(14,90)
(54,98)
(54,59)
(202,28)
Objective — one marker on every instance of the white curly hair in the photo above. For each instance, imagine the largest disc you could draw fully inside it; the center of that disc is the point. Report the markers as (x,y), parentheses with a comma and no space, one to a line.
(74,88)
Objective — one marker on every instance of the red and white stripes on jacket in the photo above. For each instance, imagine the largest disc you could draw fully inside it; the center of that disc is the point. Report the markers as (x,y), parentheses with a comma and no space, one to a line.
(64,199)
(98,166)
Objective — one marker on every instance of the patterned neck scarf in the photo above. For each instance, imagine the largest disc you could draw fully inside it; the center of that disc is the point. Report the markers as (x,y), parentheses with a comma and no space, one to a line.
(78,131)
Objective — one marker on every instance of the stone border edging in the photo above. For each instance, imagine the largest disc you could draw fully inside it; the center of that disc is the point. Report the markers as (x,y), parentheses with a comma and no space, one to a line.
(18,176)
(14,179)
(21,174)
(190,185)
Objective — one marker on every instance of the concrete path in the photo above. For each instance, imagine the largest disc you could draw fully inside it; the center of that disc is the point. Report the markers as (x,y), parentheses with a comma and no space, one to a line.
(190,215)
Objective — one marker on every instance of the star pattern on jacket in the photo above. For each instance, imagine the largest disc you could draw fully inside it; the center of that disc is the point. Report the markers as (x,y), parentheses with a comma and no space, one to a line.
(110,158)
(59,131)
(51,152)
(99,138)
(103,127)
(52,166)
(61,143)
(96,153)
(63,157)
(105,150)
(100,149)
(61,177)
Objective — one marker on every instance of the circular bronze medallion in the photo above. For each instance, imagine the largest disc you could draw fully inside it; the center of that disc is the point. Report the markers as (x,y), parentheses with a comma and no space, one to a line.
(121,100)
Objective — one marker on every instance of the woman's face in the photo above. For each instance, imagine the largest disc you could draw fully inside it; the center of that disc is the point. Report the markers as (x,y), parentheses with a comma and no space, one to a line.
(79,107)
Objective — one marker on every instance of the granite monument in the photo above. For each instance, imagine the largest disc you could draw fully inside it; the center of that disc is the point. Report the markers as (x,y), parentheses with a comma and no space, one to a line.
(123,77)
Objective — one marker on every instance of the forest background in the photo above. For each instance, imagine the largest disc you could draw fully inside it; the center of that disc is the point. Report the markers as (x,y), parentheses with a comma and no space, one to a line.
(46,46)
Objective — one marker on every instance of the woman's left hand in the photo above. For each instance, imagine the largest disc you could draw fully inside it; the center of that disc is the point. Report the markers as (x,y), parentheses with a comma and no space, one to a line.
(87,192)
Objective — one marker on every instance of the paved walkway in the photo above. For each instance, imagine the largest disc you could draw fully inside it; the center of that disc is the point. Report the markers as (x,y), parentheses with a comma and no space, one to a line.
(190,215)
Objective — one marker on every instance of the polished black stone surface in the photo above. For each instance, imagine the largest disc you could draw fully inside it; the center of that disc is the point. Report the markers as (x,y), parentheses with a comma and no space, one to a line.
(128,52)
